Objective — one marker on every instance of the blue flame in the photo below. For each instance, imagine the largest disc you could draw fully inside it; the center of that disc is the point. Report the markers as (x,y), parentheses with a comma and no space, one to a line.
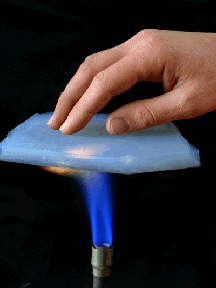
(97,193)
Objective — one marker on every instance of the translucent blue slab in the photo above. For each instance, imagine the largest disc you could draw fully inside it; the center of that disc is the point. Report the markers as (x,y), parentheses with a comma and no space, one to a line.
(159,148)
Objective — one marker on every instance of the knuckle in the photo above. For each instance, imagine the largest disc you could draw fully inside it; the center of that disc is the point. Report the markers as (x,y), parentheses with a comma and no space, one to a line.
(89,59)
(99,79)
(143,117)
(88,64)
(150,34)
(149,41)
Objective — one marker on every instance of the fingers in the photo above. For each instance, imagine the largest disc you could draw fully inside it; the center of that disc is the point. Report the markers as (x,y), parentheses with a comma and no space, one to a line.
(108,83)
(102,76)
(81,81)
(151,55)
(147,113)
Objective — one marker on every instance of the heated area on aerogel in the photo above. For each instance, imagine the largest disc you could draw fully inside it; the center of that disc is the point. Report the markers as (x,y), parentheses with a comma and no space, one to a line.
(159,148)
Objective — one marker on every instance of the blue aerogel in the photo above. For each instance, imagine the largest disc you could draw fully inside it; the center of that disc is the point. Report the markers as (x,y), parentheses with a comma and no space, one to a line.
(99,154)
(158,148)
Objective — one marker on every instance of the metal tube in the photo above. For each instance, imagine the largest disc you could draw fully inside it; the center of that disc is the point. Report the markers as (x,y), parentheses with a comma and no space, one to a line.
(102,259)
(99,282)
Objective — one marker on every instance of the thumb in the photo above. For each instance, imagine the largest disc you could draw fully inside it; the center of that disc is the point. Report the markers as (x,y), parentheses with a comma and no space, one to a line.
(143,114)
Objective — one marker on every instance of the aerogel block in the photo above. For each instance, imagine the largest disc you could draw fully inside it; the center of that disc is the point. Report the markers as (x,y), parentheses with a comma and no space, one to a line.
(159,148)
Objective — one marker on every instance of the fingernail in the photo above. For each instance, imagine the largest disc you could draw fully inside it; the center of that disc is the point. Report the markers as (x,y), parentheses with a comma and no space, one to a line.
(64,125)
(119,126)
(50,120)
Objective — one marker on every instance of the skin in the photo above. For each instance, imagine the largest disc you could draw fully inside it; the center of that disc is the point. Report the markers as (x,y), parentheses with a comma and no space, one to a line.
(184,61)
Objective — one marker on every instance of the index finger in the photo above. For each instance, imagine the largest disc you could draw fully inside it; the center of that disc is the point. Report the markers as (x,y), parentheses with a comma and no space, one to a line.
(108,83)
(80,82)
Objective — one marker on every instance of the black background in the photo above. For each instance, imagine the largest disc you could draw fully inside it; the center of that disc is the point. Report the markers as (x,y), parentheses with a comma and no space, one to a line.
(164,227)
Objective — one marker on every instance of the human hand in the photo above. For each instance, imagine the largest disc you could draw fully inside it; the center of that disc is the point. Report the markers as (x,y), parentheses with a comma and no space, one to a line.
(184,61)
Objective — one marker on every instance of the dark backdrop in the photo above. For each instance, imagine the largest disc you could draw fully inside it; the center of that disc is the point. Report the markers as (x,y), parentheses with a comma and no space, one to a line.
(164,231)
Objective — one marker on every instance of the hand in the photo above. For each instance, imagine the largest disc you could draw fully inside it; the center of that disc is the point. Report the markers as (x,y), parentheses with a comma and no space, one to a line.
(184,61)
